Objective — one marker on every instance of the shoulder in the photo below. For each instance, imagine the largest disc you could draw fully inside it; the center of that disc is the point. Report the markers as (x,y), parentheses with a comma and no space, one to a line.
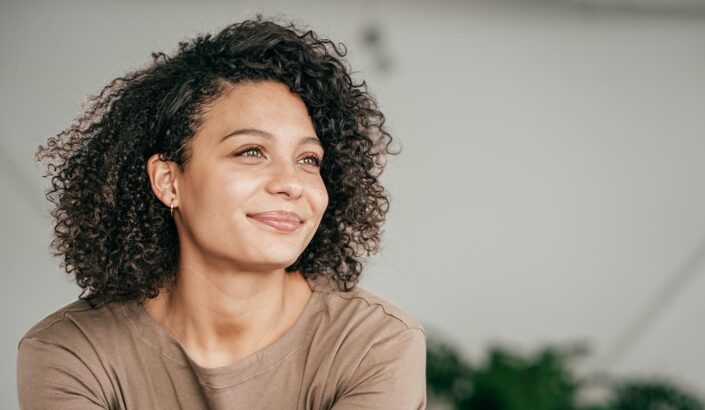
(60,358)
(378,351)
(78,330)
(76,321)
(361,314)
(366,304)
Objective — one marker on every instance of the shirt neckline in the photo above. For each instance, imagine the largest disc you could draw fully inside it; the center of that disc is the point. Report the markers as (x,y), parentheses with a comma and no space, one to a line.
(152,334)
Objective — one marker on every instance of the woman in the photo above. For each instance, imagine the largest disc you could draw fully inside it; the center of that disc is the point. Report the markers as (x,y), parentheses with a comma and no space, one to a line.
(216,208)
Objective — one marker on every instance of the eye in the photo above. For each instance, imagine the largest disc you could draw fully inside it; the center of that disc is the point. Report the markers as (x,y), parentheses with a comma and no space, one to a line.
(313,159)
(252,151)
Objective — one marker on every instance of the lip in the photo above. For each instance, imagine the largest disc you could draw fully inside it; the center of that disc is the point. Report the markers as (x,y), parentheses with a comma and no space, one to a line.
(284,221)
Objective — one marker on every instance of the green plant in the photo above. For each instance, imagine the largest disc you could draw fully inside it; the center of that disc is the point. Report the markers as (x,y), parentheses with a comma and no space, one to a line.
(542,381)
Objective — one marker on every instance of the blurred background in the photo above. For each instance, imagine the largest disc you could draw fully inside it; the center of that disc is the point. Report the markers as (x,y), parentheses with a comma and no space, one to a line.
(546,223)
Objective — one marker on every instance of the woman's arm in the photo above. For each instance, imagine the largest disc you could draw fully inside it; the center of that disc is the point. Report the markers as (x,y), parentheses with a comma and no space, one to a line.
(391,376)
(52,377)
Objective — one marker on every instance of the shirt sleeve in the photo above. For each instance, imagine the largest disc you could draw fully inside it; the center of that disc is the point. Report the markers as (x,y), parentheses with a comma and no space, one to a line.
(391,376)
(52,377)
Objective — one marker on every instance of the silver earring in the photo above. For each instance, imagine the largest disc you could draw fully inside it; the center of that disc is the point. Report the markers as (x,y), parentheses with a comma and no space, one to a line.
(172,207)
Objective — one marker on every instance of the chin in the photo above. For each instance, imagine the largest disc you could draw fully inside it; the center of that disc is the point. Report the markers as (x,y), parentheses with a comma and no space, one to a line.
(278,261)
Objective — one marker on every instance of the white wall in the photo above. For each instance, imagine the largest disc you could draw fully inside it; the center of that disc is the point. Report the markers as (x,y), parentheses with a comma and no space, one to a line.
(549,185)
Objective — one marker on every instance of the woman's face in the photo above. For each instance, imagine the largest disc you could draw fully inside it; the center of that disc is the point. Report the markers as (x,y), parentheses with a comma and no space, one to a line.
(252,195)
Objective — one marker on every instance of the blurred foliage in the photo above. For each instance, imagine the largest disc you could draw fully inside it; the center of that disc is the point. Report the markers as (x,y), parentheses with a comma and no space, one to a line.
(541,381)
(650,395)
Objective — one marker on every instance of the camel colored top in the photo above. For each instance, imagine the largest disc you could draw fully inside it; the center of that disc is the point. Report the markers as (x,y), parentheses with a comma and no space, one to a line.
(347,350)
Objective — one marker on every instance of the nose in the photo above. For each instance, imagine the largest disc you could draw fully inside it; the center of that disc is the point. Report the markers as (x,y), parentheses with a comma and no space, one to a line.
(285,180)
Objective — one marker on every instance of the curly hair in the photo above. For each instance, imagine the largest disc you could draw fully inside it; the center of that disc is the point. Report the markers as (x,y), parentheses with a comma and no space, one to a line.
(114,234)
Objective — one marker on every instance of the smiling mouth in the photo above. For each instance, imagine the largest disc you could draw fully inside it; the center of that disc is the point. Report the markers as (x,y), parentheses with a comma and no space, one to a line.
(280,224)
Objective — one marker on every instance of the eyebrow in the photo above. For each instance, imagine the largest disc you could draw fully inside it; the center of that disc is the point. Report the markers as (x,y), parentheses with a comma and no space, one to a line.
(267,135)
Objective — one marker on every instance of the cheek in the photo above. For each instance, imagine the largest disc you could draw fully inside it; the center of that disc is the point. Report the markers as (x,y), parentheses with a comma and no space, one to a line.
(237,190)
(221,194)
(320,198)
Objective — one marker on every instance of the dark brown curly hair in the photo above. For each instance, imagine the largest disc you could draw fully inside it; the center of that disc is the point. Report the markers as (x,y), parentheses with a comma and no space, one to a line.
(118,239)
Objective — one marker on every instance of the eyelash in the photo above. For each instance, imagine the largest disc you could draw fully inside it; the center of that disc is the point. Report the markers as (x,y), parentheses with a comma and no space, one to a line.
(316,158)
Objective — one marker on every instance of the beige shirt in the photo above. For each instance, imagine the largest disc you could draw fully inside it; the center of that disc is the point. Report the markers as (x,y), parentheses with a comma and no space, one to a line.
(353,350)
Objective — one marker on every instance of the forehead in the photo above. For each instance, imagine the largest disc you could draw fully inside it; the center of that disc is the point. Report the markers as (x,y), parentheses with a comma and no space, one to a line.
(267,105)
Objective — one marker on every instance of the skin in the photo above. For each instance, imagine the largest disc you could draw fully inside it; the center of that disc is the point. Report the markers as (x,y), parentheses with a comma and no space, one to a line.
(232,296)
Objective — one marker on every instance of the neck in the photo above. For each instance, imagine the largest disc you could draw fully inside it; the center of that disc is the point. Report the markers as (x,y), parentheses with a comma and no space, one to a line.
(222,317)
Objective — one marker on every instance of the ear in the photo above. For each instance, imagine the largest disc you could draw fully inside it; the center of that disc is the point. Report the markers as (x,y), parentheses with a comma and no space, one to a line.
(163,177)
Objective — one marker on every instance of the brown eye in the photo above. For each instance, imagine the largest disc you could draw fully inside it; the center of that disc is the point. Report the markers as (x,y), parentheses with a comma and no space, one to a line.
(250,152)
(314,160)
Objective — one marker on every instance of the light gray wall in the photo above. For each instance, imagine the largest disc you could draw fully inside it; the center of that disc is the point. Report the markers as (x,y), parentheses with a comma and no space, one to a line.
(549,185)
